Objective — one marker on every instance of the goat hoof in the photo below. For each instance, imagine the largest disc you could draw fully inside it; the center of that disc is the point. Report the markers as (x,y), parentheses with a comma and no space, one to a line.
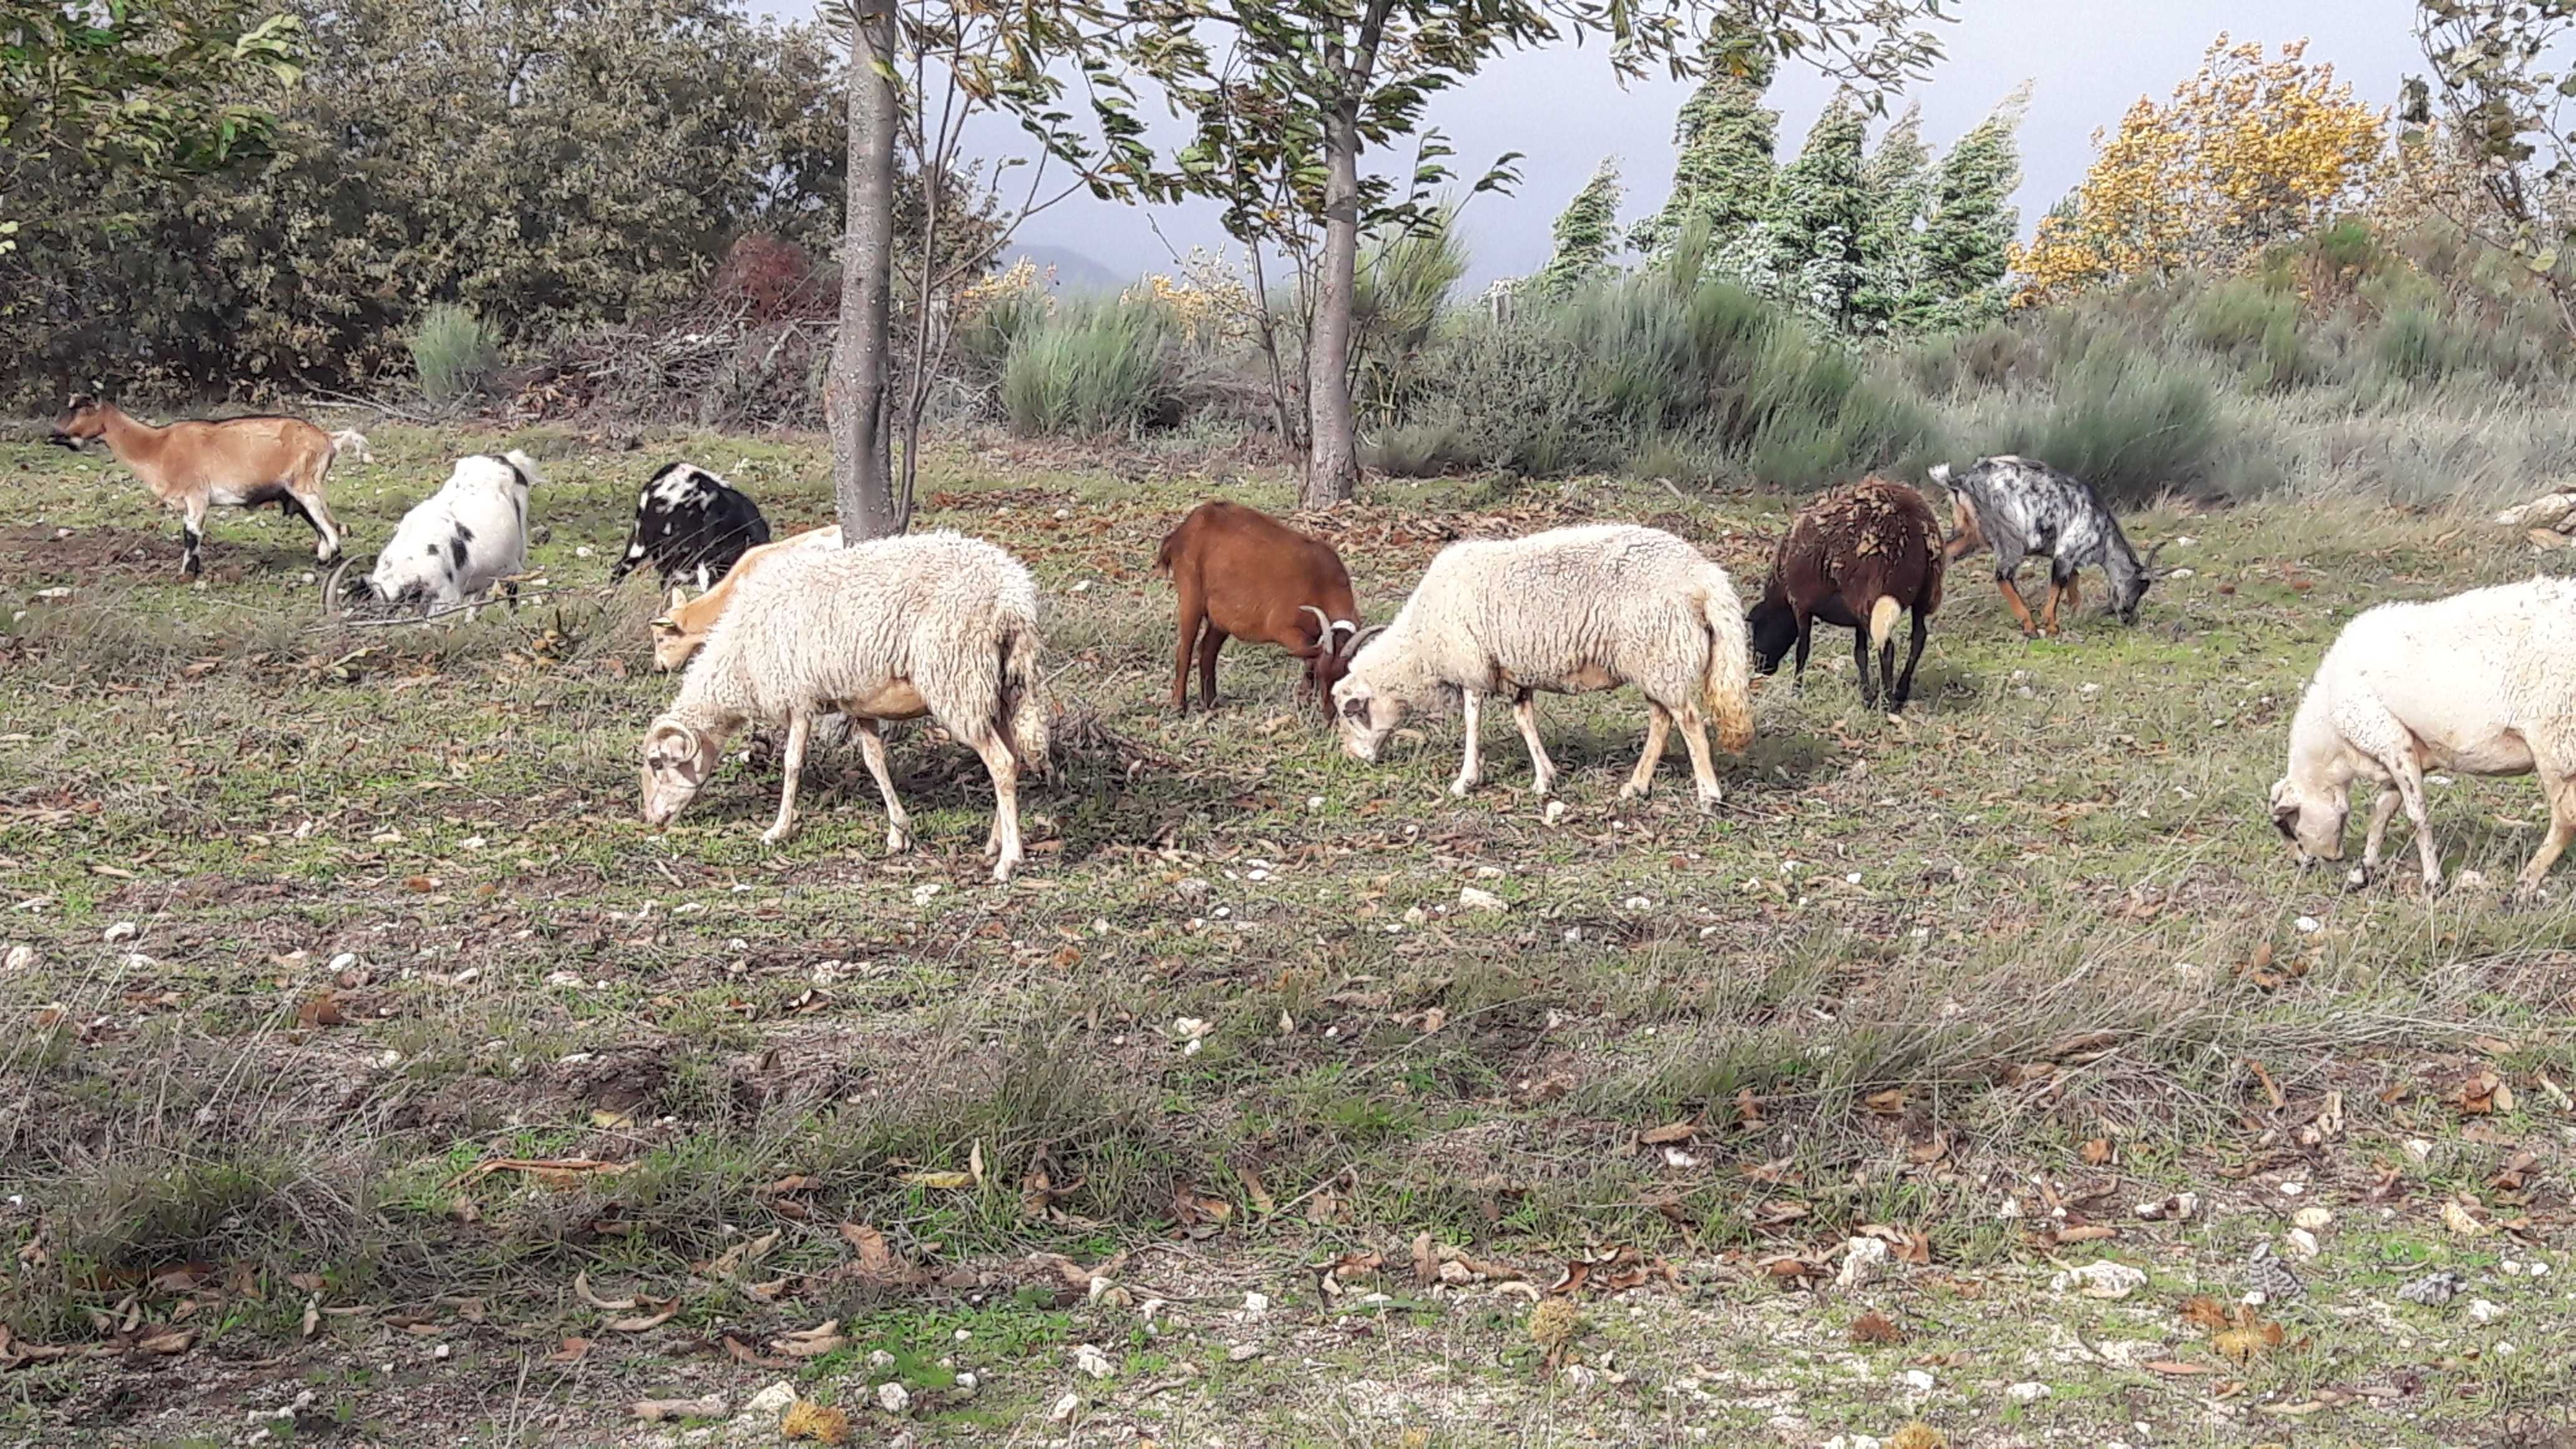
(1464,783)
(1002,871)
(898,840)
(775,835)
(1632,791)
(1709,800)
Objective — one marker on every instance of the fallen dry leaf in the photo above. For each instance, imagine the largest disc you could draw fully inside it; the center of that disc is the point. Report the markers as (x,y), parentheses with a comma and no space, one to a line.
(581,1289)
(2460,1220)
(2096,1152)
(571,1350)
(654,1316)
(656,1411)
(813,1342)
(169,1340)
(1670,1132)
(939,1181)
(1876,1328)
(322,1010)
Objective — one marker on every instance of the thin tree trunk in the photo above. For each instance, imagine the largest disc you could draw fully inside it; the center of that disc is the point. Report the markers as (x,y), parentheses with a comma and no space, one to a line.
(855,399)
(1332,457)
(1289,441)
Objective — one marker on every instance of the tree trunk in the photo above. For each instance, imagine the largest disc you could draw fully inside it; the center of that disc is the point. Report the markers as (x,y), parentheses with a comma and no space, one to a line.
(856,398)
(1332,458)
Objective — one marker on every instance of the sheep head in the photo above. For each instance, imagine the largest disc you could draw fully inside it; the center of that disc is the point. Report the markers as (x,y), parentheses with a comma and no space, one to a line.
(1773,626)
(1366,714)
(2310,820)
(677,760)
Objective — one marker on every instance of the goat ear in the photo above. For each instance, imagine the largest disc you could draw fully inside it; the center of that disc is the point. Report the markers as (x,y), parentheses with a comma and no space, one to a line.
(679,597)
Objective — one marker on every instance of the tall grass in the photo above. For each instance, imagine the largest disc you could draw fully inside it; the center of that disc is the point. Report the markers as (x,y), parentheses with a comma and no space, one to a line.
(1090,369)
(453,353)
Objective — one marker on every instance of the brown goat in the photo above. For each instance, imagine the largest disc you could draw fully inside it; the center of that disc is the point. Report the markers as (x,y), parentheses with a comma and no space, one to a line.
(235,463)
(1856,558)
(1239,571)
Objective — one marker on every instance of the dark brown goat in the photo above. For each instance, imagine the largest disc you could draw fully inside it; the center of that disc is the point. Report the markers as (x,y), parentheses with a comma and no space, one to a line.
(1856,558)
(1240,572)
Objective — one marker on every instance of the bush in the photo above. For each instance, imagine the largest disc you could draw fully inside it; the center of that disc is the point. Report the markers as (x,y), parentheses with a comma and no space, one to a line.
(1091,369)
(2129,423)
(453,353)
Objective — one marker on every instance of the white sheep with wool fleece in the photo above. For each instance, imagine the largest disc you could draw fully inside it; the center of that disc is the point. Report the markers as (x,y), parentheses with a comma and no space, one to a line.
(2482,682)
(1567,611)
(896,628)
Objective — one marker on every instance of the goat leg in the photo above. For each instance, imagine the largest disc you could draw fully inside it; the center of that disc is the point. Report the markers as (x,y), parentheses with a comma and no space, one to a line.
(1806,637)
(800,725)
(192,531)
(2021,611)
(1209,642)
(2048,613)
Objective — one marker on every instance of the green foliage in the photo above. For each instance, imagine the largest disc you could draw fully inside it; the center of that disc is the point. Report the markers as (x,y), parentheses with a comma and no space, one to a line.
(1723,141)
(1586,234)
(561,166)
(1403,286)
(147,86)
(1895,186)
(1968,227)
(452,353)
(2256,327)
(1090,369)
(1818,213)
(2130,423)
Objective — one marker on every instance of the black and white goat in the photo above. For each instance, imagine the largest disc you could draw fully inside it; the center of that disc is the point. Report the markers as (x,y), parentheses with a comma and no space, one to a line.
(691,523)
(454,545)
(2021,507)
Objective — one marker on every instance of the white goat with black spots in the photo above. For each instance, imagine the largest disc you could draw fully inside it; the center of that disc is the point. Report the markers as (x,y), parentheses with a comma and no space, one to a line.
(896,628)
(454,545)
(1568,611)
(2482,682)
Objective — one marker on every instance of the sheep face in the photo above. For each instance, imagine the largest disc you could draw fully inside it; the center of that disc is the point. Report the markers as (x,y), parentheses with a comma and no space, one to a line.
(1774,630)
(677,760)
(1365,717)
(2313,824)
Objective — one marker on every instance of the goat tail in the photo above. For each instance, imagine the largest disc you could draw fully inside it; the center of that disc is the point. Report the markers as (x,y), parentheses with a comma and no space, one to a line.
(1726,687)
(1882,620)
(1170,550)
(1019,709)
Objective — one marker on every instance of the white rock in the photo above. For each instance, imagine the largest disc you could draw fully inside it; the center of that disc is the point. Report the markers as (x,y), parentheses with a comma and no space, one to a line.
(1064,1407)
(2418,1149)
(765,1407)
(2481,1311)
(2308,925)
(2104,1279)
(1637,903)
(121,931)
(2303,1243)
(968,1381)
(1473,899)
(1091,1362)
(342,962)
(1242,1352)
(1864,1259)
(1919,1380)
(894,1398)
(1413,916)
(1255,1304)
(1314,802)
(1579,1378)
(880,1360)
(1555,812)
(21,957)
(2026,1393)
(2314,1219)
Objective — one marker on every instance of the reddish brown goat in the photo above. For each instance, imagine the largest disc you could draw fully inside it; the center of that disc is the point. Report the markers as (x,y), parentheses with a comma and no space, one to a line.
(1240,572)
(1856,558)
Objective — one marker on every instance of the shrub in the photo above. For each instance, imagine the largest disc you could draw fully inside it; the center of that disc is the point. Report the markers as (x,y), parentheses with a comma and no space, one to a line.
(2129,423)
(1091,369)
(453,353)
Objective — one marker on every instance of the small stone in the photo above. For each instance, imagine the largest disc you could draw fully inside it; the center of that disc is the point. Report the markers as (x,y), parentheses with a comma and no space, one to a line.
(894,1398)
(1314,802)
(2027,1393)
(1554,812)
(967,1381)
(1413,916)
(1255,1304)
(1191,888)
(769,1403)
(2433,1289)
(1243,1352)
(1089,1361)
(21,957)
(2179,1208)
(1864,1259)
(1470,898)
(2418,1150)
(2482,1311)
(1637,903)
(1920,1380)
(342,962)
(2302,1242)
(1064,1407)
(2104,1279)
(121,931)
(2314,1219)
(1580,1378)
(880,1360)
(2308,925)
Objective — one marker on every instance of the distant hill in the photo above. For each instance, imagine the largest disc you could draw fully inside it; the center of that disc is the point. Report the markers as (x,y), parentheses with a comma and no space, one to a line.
(1074,272)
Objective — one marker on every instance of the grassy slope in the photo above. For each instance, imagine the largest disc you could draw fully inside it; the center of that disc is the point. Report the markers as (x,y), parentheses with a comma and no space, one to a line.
(1934,960)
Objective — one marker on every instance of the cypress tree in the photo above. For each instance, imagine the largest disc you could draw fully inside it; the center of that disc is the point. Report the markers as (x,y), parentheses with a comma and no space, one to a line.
(1896,183)
(1723,142)
(1969,225)
(1587,232)
(1817,215)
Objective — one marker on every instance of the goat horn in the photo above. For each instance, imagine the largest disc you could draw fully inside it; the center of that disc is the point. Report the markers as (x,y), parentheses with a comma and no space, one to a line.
(1323,622)
(1352,649)
(333,606)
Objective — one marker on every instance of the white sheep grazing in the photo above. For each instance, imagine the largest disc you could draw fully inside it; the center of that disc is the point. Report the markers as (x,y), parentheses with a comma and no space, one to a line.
(1568,611)
(454,545)
(932,624)
(2480,682)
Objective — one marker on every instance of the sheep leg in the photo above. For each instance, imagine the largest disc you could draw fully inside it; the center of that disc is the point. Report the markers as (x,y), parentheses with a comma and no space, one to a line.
(872,749)
(1525,714)
(1004,843)
(192,536)
(1806,637)
(791,768)
(2410,788)
(1860,668)
(2380,812)
(2021,611)
(1913,656)
(1471,769)
(1703,769)
(1209,642)
(2561,791)
(1659,725)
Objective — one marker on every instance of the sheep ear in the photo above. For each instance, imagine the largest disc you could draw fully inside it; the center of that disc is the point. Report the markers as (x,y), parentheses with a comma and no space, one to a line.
(679,597)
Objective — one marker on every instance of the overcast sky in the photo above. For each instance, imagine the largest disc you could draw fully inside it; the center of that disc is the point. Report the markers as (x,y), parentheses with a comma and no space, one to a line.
(2088,61)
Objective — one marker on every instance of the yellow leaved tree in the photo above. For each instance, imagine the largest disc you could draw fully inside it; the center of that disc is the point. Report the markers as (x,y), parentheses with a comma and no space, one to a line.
(2249,152)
